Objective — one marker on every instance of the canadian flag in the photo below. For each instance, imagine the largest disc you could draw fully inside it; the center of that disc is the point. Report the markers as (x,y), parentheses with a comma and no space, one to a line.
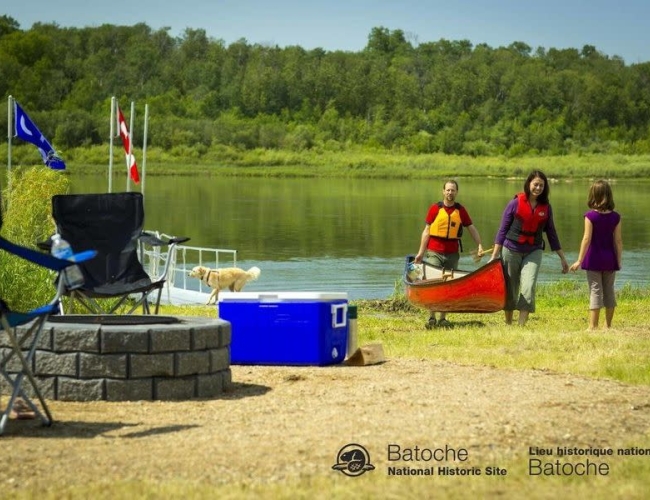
(130,159)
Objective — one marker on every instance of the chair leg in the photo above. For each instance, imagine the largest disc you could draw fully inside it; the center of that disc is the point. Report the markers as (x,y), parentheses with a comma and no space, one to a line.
(158,300)
(17,380)
(145,304)
(88,303)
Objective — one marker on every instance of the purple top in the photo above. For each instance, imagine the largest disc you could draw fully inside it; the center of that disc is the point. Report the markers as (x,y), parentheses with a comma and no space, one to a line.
(601,253)
(506,221)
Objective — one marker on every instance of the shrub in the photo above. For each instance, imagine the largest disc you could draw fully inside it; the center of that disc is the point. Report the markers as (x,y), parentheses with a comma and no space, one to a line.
(27,219)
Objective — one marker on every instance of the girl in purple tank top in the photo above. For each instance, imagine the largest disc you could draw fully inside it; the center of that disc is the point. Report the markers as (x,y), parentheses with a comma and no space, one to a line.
(600,253)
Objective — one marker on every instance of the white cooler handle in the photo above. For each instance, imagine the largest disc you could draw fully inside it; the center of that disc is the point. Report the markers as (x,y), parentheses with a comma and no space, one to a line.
(341,309)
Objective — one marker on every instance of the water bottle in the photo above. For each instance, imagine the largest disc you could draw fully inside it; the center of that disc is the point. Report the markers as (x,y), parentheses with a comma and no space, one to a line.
(72,276)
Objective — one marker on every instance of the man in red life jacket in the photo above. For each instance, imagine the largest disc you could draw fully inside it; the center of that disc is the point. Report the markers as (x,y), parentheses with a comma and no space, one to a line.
(440,243)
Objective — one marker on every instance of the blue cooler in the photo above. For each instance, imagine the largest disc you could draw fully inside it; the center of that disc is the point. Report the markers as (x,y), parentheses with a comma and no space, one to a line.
(286,328)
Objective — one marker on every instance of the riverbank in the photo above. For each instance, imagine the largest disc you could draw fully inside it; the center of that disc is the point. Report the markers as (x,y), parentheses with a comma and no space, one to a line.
(354,163)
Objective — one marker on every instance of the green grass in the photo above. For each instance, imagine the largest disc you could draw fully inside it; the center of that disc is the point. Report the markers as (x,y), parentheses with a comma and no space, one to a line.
(555,337)
(626,482)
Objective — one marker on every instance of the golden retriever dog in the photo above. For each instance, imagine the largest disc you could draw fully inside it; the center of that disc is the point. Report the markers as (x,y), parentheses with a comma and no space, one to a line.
(232,278)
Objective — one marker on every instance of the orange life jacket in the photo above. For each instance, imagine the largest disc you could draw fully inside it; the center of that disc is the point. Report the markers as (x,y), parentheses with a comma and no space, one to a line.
(447,226)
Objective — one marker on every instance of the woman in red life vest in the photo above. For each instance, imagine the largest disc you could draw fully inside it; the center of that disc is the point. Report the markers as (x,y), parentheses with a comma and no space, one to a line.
(519,242)
(440,239)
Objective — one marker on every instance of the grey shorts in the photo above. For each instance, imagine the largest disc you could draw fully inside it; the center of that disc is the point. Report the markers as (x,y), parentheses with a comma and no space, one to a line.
(444,260)
(601,289)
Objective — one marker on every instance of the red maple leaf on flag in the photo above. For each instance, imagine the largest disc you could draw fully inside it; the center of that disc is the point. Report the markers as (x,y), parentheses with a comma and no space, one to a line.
(130,159)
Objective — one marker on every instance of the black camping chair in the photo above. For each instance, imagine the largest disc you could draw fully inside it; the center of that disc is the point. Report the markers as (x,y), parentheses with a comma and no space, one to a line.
(111,223)
(17,347)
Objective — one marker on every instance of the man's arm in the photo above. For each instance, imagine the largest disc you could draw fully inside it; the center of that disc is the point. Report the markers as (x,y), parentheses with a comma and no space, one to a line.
(477,239)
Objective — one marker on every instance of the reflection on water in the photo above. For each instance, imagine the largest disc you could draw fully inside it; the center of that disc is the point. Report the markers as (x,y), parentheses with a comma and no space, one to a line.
(352,235)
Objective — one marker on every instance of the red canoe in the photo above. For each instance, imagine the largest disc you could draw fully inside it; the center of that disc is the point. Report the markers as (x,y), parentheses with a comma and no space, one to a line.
(441,290)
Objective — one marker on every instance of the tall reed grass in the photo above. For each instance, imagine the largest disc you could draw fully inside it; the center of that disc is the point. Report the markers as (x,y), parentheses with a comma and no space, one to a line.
(354,162)
(27,220)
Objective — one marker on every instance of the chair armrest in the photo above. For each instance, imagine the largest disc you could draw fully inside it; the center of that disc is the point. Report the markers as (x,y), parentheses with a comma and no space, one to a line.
(77,257)
(44,259)
(152,240)
(84,256)
(179,239)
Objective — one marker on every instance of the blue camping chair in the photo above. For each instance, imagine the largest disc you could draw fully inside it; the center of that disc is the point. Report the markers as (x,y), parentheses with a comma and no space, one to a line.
(19,345)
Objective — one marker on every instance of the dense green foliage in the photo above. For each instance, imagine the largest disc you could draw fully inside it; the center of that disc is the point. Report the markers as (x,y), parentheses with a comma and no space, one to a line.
(27,220)
(444,96)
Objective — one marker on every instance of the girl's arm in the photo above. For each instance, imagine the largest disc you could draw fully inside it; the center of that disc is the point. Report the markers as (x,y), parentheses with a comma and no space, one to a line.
(584,244)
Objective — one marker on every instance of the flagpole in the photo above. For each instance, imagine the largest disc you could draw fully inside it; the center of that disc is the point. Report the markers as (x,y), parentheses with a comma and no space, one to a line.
(110,147)
(144,148)
(9,128)
(128,160)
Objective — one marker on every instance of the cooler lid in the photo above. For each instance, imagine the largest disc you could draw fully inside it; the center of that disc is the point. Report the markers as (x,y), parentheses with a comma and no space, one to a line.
(281,296)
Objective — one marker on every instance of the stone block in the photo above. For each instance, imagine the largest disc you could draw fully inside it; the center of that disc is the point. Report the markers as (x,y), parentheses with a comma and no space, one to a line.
(102,365)
(49,363)
(47,386)
(75,339)
(151,365)
(43,342)
(191,363)
(174,388)
(227,379)
(129,390)
(115,339)
(225,331)
(206,337)
(210,385)
(13,365)
(219,359)
(170,338)
(71,389)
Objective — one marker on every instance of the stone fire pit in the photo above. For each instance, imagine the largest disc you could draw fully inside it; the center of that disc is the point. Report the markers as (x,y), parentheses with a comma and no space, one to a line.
(125,358)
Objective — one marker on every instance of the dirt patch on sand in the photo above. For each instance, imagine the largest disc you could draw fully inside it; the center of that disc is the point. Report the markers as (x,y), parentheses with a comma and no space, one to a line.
(289,422)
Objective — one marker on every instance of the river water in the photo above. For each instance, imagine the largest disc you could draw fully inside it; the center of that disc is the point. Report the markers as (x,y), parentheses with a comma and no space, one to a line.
(352,235)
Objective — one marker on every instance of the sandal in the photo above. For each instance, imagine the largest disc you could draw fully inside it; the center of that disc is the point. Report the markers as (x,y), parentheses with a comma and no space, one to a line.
(443,323)
(22,411)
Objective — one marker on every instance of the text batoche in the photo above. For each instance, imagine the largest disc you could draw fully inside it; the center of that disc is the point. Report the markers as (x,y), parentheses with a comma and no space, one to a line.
(537,467)
(417,454)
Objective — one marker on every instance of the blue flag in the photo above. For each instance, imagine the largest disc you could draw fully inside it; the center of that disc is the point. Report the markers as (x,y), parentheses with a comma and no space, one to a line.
(27,131)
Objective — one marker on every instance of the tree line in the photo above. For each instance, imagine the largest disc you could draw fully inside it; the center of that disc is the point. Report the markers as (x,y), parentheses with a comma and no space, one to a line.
(396,95)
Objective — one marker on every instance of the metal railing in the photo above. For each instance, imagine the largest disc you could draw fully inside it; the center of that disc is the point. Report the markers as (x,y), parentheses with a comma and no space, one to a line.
(183,259)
